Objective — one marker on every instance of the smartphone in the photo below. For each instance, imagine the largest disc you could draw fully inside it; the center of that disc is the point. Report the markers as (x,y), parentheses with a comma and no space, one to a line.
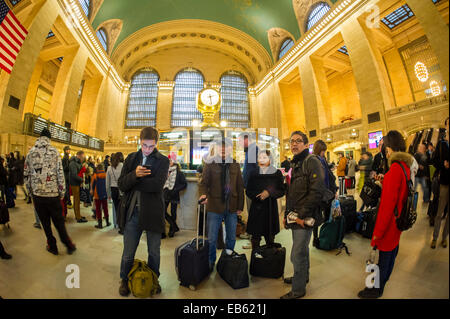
(149,167)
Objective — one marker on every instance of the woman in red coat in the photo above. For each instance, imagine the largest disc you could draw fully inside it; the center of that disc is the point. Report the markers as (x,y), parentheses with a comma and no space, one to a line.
(386,236)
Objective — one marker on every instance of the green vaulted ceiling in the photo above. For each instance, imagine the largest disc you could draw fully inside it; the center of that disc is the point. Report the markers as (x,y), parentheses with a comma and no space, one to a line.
(254,17)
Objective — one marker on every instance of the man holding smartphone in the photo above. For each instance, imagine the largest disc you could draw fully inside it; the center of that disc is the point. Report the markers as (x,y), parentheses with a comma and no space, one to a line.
(142,180)
(303,200)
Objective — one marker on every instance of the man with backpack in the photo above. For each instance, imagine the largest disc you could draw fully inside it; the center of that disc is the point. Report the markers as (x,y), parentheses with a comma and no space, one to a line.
(303,200)
(142,180)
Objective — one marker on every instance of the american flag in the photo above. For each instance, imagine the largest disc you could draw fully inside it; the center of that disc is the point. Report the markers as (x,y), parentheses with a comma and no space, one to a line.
(12,35)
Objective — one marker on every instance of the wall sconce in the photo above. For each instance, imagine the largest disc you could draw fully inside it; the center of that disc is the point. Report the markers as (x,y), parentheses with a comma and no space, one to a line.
(329,138)
(354,133)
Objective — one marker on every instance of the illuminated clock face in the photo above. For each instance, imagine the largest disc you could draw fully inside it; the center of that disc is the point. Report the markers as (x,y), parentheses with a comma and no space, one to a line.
(210,97)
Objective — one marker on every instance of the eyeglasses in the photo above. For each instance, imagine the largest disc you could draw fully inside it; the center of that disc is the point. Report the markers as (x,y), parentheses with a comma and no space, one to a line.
(297,141)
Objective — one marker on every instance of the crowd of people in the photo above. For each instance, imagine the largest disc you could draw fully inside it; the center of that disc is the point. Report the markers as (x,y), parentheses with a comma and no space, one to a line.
(144,185)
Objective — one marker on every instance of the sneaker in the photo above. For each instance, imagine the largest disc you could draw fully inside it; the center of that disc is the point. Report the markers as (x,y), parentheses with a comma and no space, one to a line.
(291,295)
(124,291)
(370,293)
(433,244)
(81,220)
(53,250)
(37,225)
(444,243)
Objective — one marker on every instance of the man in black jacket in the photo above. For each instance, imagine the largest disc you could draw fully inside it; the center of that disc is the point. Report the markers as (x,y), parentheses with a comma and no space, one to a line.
(65,164)
(304,197)
(142,180)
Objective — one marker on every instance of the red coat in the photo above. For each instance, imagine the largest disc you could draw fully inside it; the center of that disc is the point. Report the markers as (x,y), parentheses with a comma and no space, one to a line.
(393,195)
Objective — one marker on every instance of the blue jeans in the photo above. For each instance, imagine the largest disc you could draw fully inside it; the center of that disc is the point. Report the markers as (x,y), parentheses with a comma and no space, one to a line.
(131,237)
(426,191)
(386,262)
(214,223)
(300,259)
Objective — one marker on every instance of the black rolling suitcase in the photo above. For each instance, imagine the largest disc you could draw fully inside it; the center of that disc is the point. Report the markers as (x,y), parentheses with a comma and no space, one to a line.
(348,210)
(268,261)
(233,269)
(192,259)
(368,220)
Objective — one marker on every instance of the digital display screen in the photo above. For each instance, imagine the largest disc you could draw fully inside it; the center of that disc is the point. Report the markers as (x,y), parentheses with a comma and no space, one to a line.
(374,139)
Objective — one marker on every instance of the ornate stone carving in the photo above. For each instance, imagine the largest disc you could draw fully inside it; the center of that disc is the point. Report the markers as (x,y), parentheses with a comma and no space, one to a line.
(276,37)
(302,8)
(113,28)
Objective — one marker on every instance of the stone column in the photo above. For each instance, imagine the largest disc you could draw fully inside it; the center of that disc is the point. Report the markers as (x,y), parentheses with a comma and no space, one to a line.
(315,94)
(89,107)
(436,31)
(164,106)
(68,83)
(370,81)
(33,87)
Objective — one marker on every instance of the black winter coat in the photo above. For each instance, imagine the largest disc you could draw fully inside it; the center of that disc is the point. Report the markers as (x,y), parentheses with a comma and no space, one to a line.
(263,217)
(307,186)
(152,209)
(173,195)
(74,168)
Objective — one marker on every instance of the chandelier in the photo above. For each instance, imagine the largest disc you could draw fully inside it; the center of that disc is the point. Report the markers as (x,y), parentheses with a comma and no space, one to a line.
(421,71)
(435,88)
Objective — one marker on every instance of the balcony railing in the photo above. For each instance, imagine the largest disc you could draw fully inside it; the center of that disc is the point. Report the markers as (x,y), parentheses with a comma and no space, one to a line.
(435,100)
(33,126)
(349,124)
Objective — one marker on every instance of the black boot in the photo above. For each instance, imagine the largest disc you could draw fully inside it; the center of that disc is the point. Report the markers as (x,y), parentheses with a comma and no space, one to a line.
(124,291)
(3,253)
(107,222)
(171,232)
(99,225)
(53,250)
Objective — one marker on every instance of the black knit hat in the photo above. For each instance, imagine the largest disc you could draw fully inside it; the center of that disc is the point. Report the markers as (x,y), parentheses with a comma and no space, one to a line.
(45,132)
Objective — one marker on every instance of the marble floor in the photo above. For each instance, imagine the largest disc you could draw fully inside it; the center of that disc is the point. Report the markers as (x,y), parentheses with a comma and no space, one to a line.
(420,272)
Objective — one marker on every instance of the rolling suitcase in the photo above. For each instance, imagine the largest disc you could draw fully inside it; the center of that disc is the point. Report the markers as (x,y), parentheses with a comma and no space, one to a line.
(366,223)
(370,193)
(348,210)
(192,259)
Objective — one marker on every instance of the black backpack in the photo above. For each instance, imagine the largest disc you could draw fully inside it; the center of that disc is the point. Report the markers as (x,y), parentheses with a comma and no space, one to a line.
(408,215)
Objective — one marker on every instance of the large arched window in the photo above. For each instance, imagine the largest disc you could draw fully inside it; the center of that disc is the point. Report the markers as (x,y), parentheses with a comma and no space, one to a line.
(143,98)
(184,107)
(102,37)
(86,6)
(285,47)
(235,106)
(317,13)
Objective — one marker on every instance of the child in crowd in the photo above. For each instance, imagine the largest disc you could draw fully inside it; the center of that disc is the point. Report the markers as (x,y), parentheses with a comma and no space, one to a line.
(98,190)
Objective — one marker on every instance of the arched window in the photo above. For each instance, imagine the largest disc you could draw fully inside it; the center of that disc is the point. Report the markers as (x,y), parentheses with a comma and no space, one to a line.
(143,98)
(285,47)
(86,6)
(317,13)
(101,34)
(184,107)
(235,106)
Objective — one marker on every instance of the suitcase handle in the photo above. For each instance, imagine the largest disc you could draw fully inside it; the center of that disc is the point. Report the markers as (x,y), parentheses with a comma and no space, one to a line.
(200,204)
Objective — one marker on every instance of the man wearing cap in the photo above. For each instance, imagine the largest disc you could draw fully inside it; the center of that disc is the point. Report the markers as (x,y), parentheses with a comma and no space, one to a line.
(222,190)
(44,177)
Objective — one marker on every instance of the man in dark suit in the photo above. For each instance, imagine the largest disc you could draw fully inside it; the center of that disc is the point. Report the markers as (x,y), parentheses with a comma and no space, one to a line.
(142,180)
